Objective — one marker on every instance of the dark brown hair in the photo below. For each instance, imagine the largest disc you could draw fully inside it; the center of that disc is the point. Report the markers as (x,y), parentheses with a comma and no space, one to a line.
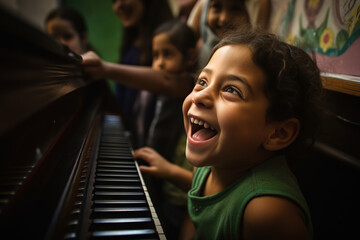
(293,84)
(74,17)
(71,15)
(155,13)
(180,34)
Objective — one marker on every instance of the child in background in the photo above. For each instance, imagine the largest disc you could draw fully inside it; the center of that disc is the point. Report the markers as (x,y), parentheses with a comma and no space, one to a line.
(212,19)
(174,45)
(169,84)
(68,27)
(139,19)
(255,100)
(173,52)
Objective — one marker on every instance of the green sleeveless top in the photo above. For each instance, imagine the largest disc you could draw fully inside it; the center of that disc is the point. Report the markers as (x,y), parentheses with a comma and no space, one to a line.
(219,216)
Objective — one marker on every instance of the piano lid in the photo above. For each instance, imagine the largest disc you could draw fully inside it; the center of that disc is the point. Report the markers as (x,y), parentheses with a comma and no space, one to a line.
(35,70)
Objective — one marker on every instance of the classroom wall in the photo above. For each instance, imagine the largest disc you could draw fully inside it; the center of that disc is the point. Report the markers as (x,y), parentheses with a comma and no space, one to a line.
(105,30)
(33,11)
(328,28)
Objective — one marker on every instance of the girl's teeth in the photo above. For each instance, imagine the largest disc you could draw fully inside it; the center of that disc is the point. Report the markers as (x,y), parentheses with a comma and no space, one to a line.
(201,123)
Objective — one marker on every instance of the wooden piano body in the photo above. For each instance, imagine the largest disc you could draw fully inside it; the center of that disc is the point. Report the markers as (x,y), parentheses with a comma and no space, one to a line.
(66,165)
(329,172)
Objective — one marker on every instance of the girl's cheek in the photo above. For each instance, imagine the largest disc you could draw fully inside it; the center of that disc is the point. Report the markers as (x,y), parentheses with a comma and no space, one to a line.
(187,103)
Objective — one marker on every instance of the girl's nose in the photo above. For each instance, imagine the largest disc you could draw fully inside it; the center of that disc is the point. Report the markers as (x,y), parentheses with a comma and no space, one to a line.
(158,64)
(203,99)
(61,40)
(161,63)
(223,18)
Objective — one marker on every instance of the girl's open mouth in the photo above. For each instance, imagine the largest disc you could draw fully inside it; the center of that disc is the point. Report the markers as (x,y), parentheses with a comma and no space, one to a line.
(201,130)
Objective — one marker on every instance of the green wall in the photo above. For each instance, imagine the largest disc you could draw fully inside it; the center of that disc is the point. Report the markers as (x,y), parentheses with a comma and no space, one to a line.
(105,29)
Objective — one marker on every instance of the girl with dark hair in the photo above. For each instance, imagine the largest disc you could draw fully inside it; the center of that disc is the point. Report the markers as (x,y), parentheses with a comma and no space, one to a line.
(68,26)
(139,19)
(256,100)
(173,50)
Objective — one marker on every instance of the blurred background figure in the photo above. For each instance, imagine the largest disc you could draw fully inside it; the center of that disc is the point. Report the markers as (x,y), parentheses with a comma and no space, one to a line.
(139,19)
(213,19)
(174,53)
(181,8)
(68,27)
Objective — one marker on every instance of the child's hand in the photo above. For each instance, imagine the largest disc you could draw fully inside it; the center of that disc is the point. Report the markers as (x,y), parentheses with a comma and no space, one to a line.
(158,166)
(93,65)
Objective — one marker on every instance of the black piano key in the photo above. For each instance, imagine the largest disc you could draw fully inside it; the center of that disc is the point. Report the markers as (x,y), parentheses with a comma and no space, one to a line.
(123,150)
(120,203)
(118,196)
(126,234)
(70,235)
(115,157)
(122,213)
(121,220)
(117,170)
(122,223)
(116,187)
(116,181)
(115,164)
(118,175)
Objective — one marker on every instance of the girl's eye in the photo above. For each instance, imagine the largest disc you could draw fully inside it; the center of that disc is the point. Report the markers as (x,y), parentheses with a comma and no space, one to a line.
(216,6)
(232,90)
(201,82)
(168,53)
(67,36)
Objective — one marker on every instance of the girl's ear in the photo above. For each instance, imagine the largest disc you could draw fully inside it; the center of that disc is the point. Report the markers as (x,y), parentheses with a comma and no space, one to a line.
(282,135)
(191,58)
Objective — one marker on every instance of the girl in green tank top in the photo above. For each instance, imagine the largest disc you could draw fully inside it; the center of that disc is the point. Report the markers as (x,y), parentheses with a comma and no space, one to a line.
(255,100)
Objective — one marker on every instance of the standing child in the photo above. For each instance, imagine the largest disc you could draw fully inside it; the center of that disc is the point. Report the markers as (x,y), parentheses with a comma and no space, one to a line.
(139,19)
(254,101)
(174,53)
(68,27)
(213,19)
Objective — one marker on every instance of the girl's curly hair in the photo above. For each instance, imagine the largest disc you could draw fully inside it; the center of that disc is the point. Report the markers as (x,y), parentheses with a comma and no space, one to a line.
(293,84)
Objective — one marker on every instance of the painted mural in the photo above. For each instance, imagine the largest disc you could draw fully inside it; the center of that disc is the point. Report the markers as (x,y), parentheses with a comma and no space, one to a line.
(328,28)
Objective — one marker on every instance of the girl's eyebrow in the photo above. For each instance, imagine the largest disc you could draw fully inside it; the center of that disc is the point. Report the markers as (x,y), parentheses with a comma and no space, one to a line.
(233,77)
(207,70)
(242,80)
(197,74)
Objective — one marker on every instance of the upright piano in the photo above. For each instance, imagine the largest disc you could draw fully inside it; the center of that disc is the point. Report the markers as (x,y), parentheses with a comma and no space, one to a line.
(66,164)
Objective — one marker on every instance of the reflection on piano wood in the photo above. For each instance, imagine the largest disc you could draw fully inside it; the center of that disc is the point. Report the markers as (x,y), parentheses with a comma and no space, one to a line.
(66,165)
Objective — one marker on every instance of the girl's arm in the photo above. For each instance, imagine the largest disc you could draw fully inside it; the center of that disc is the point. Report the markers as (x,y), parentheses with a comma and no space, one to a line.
(271,217)
(137,76)
(161,168)
(195,16)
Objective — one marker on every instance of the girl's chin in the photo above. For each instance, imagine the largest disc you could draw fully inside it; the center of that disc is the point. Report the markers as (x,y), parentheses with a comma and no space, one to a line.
(195,159)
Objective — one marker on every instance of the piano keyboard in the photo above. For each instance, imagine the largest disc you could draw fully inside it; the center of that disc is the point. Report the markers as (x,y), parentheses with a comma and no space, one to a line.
(66,171)
(120,204)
